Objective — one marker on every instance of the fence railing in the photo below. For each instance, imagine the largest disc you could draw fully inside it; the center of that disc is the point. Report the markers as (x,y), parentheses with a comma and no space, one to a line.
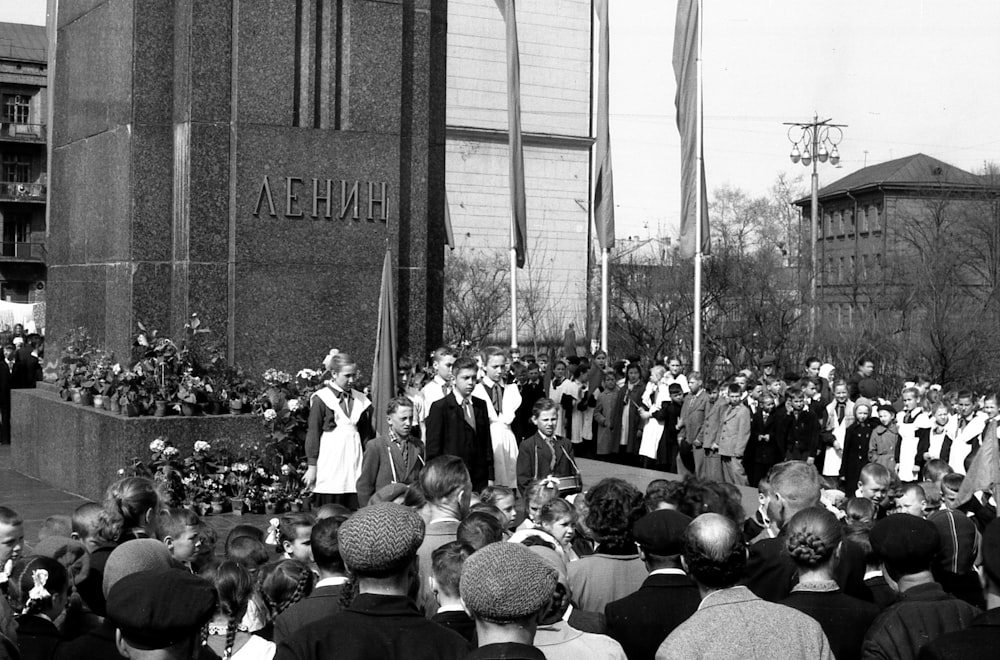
(27,250)
(23,132)
(22,192)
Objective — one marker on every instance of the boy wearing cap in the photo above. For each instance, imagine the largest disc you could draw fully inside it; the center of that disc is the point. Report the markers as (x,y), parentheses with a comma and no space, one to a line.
(668,597)
(379,547)
(907,545)
(506,587)
(159,614)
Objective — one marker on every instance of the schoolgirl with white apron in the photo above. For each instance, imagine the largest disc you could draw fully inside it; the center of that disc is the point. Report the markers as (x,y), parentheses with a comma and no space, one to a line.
(338,465)
(503,438)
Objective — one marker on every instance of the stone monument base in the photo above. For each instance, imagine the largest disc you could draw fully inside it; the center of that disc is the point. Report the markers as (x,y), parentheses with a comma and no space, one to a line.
(80,449)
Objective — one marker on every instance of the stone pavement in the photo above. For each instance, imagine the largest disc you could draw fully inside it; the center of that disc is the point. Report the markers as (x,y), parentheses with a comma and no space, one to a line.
(36,500)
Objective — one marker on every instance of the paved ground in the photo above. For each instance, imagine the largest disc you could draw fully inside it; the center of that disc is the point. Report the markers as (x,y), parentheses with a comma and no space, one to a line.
(36,500)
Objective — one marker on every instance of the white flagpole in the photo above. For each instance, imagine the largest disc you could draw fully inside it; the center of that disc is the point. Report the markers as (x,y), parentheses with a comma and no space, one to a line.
(513,283)
(604,299)
(698,238)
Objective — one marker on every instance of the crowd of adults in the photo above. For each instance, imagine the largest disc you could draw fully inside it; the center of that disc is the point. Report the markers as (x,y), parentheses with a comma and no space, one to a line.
(465,530)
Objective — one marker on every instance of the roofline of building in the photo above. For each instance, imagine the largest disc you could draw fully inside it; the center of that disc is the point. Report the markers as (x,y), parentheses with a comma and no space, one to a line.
(901,187)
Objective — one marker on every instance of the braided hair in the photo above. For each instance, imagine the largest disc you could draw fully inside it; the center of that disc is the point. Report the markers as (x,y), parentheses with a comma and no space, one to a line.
(285,583)
(813,536)
(234,588)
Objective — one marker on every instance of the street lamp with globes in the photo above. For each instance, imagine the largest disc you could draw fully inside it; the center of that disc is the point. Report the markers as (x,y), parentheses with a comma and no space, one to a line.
(814,139)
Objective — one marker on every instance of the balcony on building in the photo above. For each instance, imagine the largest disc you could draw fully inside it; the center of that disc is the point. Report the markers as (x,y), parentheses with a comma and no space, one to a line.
(18,191)
(17,132)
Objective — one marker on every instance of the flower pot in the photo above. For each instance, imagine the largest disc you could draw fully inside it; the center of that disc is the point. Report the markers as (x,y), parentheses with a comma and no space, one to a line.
(294,507)
(113,405)
(270,508)
(189,409)
(99,401)
(218,507)
(160,409)
(214,408)
(130,410)
(74,395)
(66,394)
(86,398)
(235,407)
(306,503)
(238,505)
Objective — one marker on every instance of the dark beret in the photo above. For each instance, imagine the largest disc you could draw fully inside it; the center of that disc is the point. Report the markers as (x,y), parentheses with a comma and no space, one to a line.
(905,543)
(991,550)
(158,609)
(661,532)
(767,361)
(380,539)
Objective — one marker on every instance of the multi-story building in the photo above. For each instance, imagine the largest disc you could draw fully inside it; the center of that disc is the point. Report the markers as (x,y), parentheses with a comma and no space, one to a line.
(556,65)
(873,223)
(23,170)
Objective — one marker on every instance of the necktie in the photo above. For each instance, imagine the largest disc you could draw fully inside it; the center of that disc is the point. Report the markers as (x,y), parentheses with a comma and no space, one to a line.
(962,421)
(345,401)
(497,396)
(552,448)
(470,417)
(908,417)
(840,412)
(446,388)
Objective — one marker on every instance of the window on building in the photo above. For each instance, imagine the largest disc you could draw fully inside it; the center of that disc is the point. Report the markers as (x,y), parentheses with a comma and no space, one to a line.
(16,108)
(16,234)
(850,223)
(14,291)
(863,275)
(841,273)
(877,223)
(840,222)
(864,220)
(852,274)
(17,169)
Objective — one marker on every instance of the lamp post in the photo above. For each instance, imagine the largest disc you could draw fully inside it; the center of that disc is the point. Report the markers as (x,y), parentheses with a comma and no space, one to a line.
(813,145)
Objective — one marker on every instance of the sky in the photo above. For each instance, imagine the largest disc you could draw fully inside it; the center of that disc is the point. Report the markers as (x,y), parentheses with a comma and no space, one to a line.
(906,76)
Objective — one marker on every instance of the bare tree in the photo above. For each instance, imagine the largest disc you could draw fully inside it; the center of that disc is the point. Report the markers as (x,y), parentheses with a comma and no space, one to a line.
(476,296)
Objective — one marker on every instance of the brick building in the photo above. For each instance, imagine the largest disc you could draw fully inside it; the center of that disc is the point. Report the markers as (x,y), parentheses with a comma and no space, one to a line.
(867,224)
(23,170)
(556,67)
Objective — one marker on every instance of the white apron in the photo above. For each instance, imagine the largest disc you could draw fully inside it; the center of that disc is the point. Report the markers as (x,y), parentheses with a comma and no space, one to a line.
(653,430)
(503,439)
(908,443)
(833,457)
(339,464)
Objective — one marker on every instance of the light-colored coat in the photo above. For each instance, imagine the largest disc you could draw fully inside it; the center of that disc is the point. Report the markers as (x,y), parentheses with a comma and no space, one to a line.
(735,624)
(734,432)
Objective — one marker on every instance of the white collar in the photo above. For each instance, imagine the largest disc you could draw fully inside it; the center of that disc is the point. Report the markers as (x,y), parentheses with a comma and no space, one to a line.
(873,574)
(455,607)
(567,613)
(332,581)
(668,571)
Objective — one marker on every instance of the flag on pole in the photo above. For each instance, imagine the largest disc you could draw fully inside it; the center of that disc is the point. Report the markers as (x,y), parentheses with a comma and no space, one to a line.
(384,369)
(604,191)
(984,469)
(518,211)
(688,108)
(449,232)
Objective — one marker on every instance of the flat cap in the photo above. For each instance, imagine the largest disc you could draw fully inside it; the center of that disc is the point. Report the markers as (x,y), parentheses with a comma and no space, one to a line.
(905,543)
(768,360)
(661,532)
(158,609)
(504,582)
(135,556)
(380,539)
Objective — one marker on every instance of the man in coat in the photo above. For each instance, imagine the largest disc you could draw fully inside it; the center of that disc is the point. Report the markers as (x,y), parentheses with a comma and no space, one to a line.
(693,412)
(667,598)
(394,458)
(731,622)
(379,545)
(907,546)
(459,425)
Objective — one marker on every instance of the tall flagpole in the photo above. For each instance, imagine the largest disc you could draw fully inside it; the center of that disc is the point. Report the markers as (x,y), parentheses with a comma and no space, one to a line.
(513,283)
(604,299)
(698,238)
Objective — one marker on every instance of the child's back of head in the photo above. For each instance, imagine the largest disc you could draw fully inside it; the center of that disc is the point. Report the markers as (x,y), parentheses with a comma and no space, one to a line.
(283,583)
(326,546)
(446,567)
(479,529)
(935,470)
(248,551)
(85,522)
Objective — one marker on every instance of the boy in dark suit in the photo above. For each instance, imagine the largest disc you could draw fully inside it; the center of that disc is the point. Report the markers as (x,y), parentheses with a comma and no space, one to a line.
(325,598)
(545,453)
(459,425)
